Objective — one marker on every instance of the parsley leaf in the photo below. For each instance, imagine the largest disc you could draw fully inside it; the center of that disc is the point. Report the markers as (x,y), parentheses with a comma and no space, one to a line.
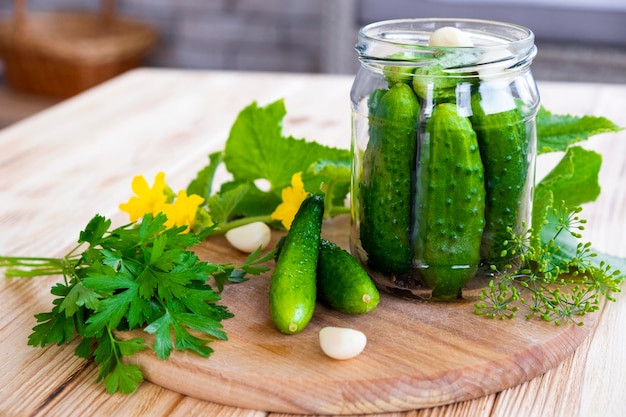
(134,276)
(95,230)
(53,327)
(123,378)
(79,296)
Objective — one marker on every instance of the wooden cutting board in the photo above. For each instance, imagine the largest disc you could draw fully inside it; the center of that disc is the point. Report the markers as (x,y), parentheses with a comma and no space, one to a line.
(418,355)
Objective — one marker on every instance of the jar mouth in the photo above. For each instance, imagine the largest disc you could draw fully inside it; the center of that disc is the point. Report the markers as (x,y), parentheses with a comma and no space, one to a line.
(394,42)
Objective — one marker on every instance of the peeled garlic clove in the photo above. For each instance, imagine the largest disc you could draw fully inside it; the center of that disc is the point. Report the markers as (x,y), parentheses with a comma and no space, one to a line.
(249,237)
(449,36)
(342,343)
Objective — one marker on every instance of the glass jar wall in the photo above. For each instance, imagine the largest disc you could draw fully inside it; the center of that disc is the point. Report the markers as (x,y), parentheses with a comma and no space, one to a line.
(443,149)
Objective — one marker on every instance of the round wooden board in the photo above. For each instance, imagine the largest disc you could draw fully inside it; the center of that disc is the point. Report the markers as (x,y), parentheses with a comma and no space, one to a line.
(418,354)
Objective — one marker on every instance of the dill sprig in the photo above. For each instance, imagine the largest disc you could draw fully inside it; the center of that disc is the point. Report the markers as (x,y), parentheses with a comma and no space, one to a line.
(546,284)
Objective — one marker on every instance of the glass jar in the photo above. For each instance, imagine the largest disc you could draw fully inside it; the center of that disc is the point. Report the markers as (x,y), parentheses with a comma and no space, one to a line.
(444,147)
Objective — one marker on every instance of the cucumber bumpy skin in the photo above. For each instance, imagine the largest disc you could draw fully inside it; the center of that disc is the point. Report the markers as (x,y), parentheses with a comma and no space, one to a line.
(450,203)
(386,184)
(342,283)
(293,282)
(504,146)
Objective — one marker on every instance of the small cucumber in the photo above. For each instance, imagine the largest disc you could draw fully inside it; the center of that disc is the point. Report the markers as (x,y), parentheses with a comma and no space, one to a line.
(450,202)
(374,99)
(504,146)
(293,282)
(434,83)
(400,73)
(342,283)
(386,182)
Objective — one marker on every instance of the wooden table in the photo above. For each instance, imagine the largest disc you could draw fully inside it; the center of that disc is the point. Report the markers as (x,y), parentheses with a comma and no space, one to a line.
(60,167)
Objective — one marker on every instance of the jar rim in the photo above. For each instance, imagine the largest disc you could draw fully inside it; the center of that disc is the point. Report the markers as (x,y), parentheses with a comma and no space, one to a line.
(516,33)
(406,40)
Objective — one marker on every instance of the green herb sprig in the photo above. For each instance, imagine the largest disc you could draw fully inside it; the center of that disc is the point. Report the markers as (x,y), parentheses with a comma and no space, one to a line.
(135,276)
(559,278)
(549,286)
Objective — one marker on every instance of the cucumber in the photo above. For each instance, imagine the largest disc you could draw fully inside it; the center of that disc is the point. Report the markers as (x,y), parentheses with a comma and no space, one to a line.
(293,282)
(434,84)
(504,147)
(400,73)
(374,99)
(386,185)
(450,203)
(342,283)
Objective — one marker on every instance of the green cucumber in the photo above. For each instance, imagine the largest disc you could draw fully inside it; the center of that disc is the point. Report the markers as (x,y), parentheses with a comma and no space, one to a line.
(434,84)
(450,202)
(293,282)
(374,99)
(342,283)
(386,181)
(504,147)
(400,73)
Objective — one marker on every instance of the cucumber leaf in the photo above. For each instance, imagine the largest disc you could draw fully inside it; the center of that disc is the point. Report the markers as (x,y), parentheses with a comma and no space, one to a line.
(254,202)
(221,205)
(575,179)
(543,201)
(557,132)
(569,247)
(257,149)
(202,184)
(334,176)
(572,182)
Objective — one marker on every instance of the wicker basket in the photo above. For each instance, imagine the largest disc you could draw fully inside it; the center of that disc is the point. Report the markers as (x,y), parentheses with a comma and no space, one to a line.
(62,54)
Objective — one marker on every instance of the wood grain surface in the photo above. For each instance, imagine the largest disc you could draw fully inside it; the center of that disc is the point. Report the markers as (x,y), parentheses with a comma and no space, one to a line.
(60,167)
(419,354)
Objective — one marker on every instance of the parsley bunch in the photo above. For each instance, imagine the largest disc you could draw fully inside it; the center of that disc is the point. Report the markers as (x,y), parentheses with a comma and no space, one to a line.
(135,276)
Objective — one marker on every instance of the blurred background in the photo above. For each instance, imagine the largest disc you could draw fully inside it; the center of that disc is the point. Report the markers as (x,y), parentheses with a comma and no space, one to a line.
(578,40)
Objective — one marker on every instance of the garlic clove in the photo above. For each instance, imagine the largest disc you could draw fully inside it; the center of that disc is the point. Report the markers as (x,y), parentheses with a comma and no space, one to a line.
(249,237)
(342,343)
(449,36)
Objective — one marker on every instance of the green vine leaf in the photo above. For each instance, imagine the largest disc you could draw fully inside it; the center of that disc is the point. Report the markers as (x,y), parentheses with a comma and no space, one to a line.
(556,132)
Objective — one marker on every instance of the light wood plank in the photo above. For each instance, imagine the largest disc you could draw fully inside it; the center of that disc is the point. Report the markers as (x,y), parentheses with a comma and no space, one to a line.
(83,153)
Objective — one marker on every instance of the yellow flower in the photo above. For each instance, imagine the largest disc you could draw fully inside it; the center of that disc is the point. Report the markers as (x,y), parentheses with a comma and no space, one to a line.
(292,199)
(182,212)
(146,199)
